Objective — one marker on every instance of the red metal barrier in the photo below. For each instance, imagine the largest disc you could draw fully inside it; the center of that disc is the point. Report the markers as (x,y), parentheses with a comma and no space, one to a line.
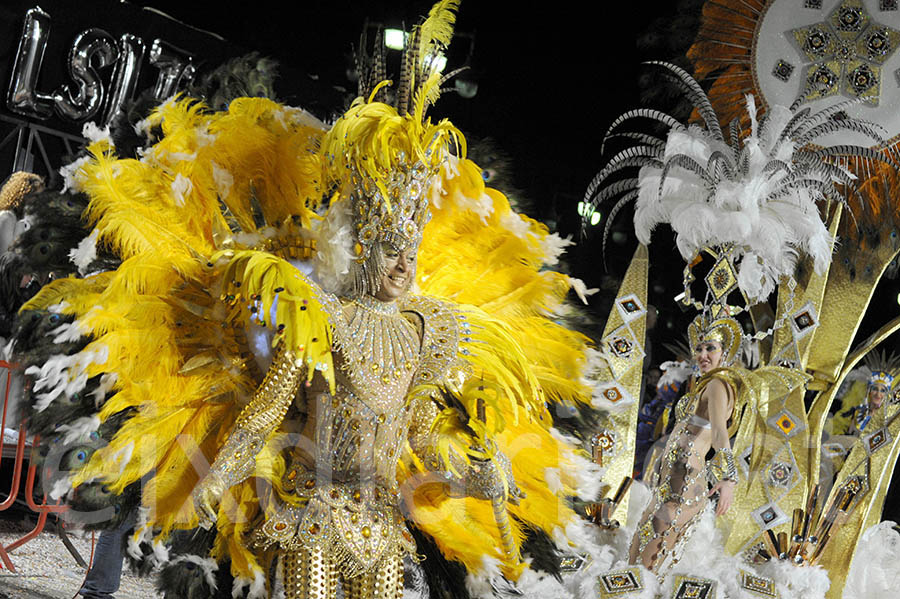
(42,509)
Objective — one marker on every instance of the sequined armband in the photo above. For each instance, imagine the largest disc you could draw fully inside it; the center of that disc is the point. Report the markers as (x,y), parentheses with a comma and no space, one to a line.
(257,420)
(721,466)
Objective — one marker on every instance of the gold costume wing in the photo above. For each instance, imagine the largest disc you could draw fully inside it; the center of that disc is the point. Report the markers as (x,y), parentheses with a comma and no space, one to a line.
(205,224)
(208,223)
(489,263)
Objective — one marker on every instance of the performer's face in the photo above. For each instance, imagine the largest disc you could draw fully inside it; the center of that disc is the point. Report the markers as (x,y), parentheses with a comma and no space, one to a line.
(400,268)
(708,355)
(877,393)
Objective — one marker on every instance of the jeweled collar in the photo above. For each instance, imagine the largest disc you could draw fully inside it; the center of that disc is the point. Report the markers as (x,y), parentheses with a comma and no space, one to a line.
(370,303)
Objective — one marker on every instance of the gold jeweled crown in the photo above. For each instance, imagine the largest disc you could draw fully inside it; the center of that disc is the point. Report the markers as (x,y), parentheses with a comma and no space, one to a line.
(724,329)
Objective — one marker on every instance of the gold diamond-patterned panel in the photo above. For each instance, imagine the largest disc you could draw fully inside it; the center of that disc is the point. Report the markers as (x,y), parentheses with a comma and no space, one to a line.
(691,587)
(758,586)
(808,296)
(878,44)
(849,19)
(815,41)
(862,80)
(786,424)
(844,303)
(822,80)
(876,440)
(625,370)
(623,351)
(620,583)
(873,483)
(722,279)
(754,493)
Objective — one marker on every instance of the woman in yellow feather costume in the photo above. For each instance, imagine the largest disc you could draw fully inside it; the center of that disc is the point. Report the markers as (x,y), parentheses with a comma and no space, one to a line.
(374,404)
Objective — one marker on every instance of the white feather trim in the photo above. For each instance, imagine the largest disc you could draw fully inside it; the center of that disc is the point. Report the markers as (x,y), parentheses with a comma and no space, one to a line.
(79,430)
(142,533)
(181,187)
(72,175)
(595,366)
(581,290)
(204,138)
(68,332)
(294,115)
(532,585)
(107,382)
(122,457)
(551,477)
(142,128)
(257,586)
(62,374)
(768,234)
(554,247)
(483,206)
(61,487)
(513,222)
(335,248)
(260,342)
(587,474)
(160,553)
(85,252)
(207,565)
(809,582)
(674,372)
(93,133)
(874,573)
(223,179)
(479,583)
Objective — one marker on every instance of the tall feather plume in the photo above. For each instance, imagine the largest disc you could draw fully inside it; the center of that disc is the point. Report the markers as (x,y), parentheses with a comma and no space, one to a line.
(427,40)
(757,193)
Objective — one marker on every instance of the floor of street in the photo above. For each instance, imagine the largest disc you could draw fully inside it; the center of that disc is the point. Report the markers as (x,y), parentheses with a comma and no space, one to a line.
(45,569)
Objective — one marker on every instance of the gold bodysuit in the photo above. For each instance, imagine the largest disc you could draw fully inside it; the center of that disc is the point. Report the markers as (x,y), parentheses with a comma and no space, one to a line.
(336,516)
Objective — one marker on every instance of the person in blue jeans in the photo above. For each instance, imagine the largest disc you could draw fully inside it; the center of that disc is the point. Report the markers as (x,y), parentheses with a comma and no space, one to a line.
(105,575)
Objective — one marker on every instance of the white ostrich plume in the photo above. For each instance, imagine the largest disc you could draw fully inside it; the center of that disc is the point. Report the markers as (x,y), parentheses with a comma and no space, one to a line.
(756,193)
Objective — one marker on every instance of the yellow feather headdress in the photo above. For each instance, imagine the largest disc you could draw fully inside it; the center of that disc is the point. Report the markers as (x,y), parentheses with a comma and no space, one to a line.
(385,159)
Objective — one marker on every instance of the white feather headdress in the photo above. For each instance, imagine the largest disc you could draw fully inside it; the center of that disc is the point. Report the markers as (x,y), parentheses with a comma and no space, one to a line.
(756,194)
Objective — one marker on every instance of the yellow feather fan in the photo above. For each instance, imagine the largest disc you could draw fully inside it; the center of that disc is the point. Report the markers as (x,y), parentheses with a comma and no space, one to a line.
(195,220)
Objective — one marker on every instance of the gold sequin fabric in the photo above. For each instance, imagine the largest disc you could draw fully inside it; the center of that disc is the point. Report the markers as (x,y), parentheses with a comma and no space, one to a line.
(313,574)
(341,495)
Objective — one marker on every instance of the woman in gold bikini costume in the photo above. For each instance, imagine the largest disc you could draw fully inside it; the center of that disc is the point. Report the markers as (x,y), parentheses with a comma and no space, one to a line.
(681,490)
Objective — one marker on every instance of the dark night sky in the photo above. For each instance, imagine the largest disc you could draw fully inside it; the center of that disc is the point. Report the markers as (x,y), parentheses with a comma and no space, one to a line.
(550,80)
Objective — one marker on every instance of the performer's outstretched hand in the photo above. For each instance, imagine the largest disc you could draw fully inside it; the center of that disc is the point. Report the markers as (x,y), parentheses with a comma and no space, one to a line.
(207,495)
(725,489)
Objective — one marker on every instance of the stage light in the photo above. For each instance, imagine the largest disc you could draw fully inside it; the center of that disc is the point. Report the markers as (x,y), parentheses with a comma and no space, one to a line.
(439,61)
(465,87)
(394,39)
(585,210)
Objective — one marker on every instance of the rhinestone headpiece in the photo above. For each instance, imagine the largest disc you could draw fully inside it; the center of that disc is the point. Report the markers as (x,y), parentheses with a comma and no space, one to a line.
(385,158)
(881,378)
(396,217)
(723,329)
(884,368)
